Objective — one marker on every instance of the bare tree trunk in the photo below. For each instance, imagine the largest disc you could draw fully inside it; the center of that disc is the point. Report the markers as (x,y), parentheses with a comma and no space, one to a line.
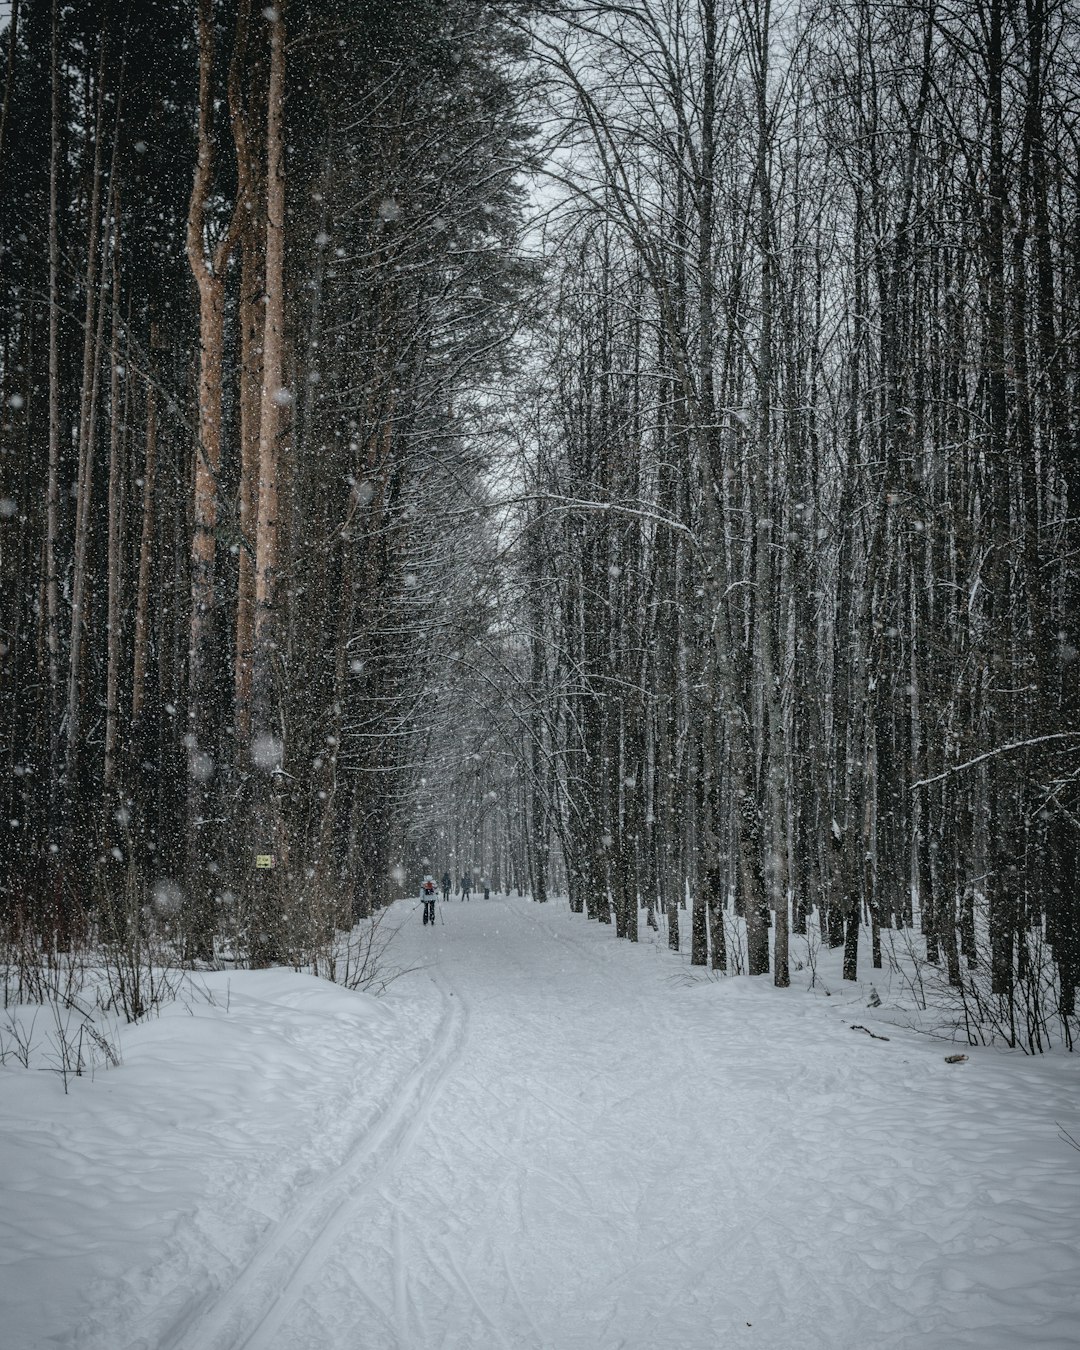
(93,338)
(116,508)
(251,316)
(9,78)
(9,89)
(1000,883)
(537,816)
(52,507)
(146,550)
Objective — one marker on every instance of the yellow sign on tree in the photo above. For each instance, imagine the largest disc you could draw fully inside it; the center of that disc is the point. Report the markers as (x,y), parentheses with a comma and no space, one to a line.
(264,860)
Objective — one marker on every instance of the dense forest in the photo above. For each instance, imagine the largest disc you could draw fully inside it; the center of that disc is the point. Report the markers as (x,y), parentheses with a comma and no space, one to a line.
(629,450)
(257,265)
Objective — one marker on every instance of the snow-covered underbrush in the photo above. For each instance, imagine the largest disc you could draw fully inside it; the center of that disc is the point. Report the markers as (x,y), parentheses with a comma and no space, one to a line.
(358,959)
(1030,1017)
(65,1001)
(312,928)
(911,991)
(64,1007)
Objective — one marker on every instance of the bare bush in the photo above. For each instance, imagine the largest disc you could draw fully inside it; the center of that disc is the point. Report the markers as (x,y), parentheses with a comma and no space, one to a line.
(326,942)
(358,959)
(1028,1016)
(139,963)
(39,965)
(78,1044)
(17,1039)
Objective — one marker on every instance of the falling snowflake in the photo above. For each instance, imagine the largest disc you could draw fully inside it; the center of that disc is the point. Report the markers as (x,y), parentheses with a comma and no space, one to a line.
(201,766)
(167,896)
(266,753)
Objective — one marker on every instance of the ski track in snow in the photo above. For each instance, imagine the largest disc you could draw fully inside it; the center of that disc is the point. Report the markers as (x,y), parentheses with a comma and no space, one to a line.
(249,1312)
(552,1140)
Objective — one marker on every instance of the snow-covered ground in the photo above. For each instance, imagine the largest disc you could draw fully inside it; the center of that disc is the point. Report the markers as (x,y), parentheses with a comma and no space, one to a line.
(540,1137)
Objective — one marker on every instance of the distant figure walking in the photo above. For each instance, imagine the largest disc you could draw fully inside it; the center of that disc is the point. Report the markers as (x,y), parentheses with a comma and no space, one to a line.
(487,889)
(466,886)
(427,894)
(447,885)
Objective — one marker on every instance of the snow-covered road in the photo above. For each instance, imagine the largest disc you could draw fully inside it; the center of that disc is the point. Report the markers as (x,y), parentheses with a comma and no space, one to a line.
(578,1147)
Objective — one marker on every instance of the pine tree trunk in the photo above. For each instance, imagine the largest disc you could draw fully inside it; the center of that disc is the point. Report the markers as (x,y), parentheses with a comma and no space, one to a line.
(267,732)
(251,320)
(205,652)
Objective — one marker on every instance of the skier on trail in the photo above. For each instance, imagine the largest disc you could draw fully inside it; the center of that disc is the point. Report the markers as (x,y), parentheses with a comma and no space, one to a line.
(466,886)
(427,894)
(447,885)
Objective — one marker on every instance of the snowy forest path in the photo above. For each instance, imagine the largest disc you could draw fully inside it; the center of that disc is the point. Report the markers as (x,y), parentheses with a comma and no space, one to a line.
(600,1150)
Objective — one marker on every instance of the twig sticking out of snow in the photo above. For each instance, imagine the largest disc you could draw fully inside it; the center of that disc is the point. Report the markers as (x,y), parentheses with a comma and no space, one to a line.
(1066,1137)
(876,1037)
